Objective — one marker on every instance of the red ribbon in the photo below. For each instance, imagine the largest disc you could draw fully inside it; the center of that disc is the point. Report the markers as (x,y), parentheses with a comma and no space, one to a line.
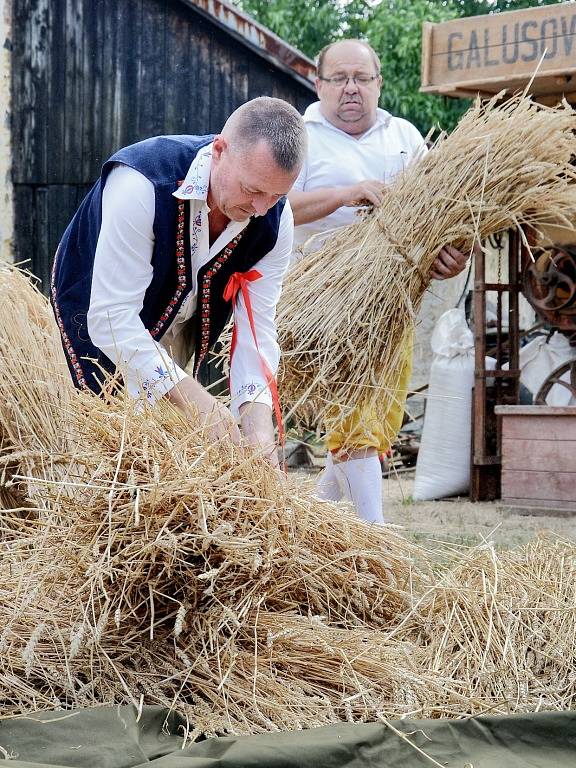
(239,282)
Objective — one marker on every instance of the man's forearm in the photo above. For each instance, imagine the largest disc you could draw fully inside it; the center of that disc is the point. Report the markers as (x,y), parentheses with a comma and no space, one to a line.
(311,206)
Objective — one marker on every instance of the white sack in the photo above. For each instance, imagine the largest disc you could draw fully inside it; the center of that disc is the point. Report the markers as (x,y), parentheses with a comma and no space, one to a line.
(537,361)
(443,466)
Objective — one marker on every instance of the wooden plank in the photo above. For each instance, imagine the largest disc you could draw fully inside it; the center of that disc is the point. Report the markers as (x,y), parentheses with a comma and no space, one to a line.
(22,96)
(535,410)
(109,125)
(503,45)
(67,162)
(94,47)
(538,486)
(427,31)
(544,88)
(526,507)
(179,80)
(222,98)
(200,45)
(129,43)
(151,79)
(538,428)
(240,79)
(55,66)
(30,108)
(554,455)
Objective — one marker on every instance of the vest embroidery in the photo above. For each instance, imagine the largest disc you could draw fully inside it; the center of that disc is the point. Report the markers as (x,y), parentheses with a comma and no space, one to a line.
(180,271)
(204,297)
(69,349)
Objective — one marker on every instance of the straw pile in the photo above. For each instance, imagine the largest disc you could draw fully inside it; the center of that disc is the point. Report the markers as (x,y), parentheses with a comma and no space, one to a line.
(149,579)
(348,308)
(499,628)
(36,387)
(151,554)
(159,568)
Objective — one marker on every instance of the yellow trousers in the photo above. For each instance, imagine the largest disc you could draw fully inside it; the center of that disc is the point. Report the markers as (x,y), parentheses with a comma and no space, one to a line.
(367,426)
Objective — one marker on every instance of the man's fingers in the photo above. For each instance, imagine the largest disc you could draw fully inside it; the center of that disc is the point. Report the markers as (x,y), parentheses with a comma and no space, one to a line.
(220,424)
(449,263)
(455,257)
(375,193)
(367,193)
(233,431)
(371,197)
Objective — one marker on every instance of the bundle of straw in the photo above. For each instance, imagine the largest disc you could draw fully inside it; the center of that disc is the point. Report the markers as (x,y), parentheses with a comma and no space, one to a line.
(347,310)
(148,577)
(160,568)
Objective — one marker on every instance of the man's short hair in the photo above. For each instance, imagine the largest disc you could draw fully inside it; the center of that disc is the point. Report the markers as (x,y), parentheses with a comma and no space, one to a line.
(271,120)
(322,55)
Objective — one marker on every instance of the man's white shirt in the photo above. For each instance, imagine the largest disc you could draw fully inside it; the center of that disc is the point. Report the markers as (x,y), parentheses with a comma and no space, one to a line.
(337,159)
(123,271)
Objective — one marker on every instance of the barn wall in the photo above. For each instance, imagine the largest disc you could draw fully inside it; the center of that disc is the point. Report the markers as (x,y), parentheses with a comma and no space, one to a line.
(6,198)
(91,76)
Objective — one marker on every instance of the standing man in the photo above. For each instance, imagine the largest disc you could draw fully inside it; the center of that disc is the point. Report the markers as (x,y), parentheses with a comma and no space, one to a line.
(355,151)
(178,232)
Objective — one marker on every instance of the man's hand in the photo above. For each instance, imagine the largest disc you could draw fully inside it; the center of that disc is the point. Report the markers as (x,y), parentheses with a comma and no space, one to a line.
(258,430)
(321,202)
(449,263)
(214,416)
(369,192)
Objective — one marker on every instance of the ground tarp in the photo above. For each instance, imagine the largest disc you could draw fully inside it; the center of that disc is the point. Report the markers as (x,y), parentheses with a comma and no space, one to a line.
(118,738)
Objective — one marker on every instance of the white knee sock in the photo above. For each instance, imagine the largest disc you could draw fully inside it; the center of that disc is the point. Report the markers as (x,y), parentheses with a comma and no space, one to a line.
(328,487)
(361,483)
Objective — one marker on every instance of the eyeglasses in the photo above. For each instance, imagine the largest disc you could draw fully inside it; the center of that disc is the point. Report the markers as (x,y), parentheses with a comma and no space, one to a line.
(339,80)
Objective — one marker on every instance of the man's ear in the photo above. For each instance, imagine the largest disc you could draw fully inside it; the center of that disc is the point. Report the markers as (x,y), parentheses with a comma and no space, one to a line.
(219,145)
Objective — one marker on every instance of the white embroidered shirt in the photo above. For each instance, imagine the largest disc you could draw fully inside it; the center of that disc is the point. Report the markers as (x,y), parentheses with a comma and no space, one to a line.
(123,271)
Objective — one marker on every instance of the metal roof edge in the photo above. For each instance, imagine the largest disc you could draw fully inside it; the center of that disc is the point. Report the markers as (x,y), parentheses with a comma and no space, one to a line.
(258,37)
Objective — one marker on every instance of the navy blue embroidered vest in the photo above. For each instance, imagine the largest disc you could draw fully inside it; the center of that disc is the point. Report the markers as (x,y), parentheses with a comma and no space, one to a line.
(165,161)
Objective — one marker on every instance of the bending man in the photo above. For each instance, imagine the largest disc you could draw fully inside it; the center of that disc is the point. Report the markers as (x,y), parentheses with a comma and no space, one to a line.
(148,271)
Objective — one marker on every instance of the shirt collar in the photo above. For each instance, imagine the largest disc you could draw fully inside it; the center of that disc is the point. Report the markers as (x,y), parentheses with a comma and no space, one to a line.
(314,115)
(195,185)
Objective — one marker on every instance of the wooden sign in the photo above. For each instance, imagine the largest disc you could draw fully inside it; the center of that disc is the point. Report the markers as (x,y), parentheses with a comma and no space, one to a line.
(502,50)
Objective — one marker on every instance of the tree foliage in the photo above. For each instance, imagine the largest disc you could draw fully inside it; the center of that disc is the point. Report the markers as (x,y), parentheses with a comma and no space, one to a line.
(482,7)
(393,28)
(308,25)
(395,32)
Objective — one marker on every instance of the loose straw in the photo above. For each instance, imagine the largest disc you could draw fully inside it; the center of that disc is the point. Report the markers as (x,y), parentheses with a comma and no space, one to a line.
(142,563)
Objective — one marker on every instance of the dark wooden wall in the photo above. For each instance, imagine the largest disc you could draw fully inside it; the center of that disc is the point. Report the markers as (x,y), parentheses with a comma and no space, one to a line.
(91,76)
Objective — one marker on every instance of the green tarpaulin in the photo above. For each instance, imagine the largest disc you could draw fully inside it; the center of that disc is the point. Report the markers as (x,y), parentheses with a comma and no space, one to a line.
(118,738)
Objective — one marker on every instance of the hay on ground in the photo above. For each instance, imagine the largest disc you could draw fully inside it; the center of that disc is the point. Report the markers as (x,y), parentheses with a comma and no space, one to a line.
(159,568)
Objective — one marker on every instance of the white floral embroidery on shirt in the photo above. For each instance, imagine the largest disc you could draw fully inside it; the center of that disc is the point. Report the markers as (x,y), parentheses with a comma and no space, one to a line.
(195,185)
(250,389)
(148,385)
